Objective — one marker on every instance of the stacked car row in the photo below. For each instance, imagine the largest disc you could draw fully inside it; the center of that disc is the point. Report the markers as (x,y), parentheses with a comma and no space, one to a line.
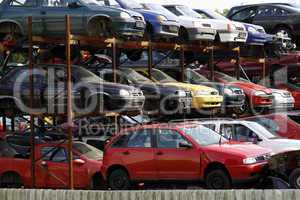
(125,19)
(221,153)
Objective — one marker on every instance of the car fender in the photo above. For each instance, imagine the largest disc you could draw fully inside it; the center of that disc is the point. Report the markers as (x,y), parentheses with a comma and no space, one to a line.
(98,16)
(14,22)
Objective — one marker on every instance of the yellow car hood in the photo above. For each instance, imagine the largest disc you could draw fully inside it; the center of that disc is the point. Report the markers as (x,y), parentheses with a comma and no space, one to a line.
(191,87)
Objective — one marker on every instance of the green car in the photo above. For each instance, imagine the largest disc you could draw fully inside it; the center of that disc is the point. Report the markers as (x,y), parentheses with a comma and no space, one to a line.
(88,17)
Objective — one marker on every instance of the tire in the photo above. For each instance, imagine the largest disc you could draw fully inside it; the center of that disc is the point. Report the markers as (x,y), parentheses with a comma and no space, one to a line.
(294,179)
(99,27)
(11,180)
(97,183)
(217,179)
(245,108)
(118,180)
(134,55)
(10,32)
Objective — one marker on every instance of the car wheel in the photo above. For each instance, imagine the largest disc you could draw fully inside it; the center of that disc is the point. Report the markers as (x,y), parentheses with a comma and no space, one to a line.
(11,180)
(217,179)
(134,55)
(10,32)
(99,27)
(286,32)
(245,108)
(119,180)
(294,179)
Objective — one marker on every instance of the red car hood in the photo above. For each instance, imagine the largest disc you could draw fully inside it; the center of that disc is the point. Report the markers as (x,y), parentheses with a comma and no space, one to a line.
(240,149)
(252,86)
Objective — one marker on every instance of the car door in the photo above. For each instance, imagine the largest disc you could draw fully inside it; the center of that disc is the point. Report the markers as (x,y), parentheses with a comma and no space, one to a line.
(138,155)
(52,169)
(172,161)
(53,12)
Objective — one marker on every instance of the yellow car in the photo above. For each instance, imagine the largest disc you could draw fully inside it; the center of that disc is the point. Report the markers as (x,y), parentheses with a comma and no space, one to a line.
(203,97)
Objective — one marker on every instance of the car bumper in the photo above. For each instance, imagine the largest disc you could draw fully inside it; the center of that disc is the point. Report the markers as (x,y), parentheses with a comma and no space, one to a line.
(208,34)
(127,104)
(207,101)
(265,101)
(178,105)
(167,30)
(256,38)
(237,36)
(234,100)
(247,173)
(129,28)
(283,103)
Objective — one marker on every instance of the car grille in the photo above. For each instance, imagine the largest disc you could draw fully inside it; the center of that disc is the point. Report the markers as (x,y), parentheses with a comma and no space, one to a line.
(188,93)
(137,18)
(263,158)
(206,25)
(137,93)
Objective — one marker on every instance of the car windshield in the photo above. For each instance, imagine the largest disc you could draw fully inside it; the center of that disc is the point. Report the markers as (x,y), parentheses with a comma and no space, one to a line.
(194,77)
(92,2)
(85,76)
(88,151)
(202,135)
(161,76)
(187,11)
(270,124)
(135,76)
(131,4)
(262,130)
(159,8)
(213,15)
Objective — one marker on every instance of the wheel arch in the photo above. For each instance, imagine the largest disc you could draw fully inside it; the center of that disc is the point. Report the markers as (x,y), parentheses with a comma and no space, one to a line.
(283,26)
(216,165)
(13,22)
(99,16)
(11,172)
(115,167)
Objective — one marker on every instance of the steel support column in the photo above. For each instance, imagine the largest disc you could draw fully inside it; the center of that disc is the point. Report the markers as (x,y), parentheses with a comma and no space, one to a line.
(69,101)
(114,59)
(211,63)
(182,63)
(238,64)
(32,138)
(150,60)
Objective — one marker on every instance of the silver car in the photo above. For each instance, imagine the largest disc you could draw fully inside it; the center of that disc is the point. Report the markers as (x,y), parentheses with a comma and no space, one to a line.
(246,131)
(227,30)
(193,27)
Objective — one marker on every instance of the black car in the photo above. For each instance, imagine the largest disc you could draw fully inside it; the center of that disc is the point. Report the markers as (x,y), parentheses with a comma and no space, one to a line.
(234,97)
(160,99)
(91,94)
(275,18)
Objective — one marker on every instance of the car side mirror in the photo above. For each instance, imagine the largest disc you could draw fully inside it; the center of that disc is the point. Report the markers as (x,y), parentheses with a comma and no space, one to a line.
(73,5)
(185,145)
(79,161)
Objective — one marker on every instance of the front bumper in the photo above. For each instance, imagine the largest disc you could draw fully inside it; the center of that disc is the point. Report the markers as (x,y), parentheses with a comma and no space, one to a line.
(177,105)
(236,36)
(232,101)
(129,28)
(264,101)
(283,103)
(167,29)
(207,101)
(247,173)
(256,38)
(127,104)
(208,34)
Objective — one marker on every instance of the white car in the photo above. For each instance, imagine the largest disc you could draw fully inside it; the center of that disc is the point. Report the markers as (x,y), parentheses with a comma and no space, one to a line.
(282,100)
(192,26)
(227,30)
(247,131)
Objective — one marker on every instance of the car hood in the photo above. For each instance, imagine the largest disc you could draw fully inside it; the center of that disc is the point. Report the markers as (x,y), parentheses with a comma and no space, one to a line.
(154,13)
(113,9)
(191,87)
(192,19)
(252,86)
(111,86)
(241,149)
(163,89)
(282,145)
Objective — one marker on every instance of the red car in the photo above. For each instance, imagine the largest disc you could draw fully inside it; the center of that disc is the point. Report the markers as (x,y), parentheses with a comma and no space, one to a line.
(257,97)
(180,152)
(285,125)
(52,167)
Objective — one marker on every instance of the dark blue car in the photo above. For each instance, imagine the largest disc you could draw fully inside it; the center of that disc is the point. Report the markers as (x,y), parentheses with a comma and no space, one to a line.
(159,24)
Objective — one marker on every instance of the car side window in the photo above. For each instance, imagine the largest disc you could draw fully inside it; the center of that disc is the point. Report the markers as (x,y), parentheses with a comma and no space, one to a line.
(281,12)
(141,138)
(243,133)
(175,11)
(22,3)
(54,154)
(120,142)
(227,131)
(55,3)
(169,139)
(210,126)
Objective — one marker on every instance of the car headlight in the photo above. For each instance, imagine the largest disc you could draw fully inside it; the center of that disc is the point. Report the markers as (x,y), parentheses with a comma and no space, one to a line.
(249,161)
(124,93)
(161,18)
(197,23)
(202,92)
(180,93)
(260,93)
(228,91)
(252,30)
(125,15)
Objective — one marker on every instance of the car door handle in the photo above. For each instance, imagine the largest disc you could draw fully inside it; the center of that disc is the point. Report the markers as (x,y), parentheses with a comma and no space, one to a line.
(126,153)
(43,12)
(159,153)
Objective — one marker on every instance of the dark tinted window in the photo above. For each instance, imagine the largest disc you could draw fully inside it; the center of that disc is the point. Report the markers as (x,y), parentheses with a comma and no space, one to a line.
(244,14)
(120,142)
(169,139)
(174,11)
